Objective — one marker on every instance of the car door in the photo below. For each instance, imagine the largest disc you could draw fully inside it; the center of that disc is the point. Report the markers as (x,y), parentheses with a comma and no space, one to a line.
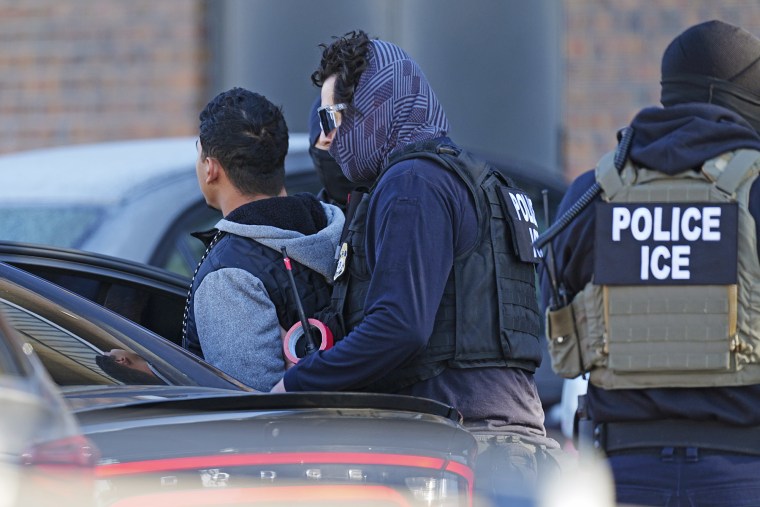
(74,338)
(149,296)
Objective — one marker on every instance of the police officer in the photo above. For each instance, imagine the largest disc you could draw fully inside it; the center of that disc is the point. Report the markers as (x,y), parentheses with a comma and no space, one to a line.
(438,267)
(654,286)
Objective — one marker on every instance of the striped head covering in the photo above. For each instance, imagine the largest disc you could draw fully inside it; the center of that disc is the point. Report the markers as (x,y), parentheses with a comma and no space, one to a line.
(393,106)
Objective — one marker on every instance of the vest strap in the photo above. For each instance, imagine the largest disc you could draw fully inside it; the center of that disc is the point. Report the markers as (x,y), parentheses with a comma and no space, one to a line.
(608,176)
(740,167)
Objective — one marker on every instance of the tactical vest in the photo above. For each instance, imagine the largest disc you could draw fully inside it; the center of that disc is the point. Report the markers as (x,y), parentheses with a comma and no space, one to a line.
(673,334)
(267,265)
(488,315)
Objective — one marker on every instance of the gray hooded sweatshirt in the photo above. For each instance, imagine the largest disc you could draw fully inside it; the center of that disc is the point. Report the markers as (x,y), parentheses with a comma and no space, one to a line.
(235,318)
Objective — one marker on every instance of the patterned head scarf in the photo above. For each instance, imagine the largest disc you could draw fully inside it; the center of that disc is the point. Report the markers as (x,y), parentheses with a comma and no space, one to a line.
(393,106)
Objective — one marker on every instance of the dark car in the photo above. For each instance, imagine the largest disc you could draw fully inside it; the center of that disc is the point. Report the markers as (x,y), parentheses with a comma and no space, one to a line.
(45,459)
(191,430)
(169,445)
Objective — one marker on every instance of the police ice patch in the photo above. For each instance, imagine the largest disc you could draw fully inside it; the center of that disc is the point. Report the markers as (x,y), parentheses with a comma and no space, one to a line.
(666,244)
(519,208)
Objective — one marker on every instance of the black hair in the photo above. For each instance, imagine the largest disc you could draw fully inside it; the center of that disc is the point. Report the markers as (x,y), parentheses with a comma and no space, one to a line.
(347,57)
(125,374)
(248,135)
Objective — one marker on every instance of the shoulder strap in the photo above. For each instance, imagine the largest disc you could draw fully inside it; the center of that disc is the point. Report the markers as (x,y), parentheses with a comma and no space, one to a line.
(470,170)
(608,176)
(615,167)
(729,176)
(354,199)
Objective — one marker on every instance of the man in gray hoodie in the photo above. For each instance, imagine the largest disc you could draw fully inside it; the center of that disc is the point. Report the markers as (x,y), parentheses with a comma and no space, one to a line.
(241,301)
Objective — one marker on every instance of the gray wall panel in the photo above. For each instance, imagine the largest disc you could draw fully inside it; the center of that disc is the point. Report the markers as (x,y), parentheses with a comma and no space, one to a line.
(493,63)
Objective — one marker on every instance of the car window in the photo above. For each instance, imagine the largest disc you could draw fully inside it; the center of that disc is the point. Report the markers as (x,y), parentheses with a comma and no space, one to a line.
(74,348)
(11,362)
(63,226)
(94,330)
(154,308)
(69,358)
(179,251)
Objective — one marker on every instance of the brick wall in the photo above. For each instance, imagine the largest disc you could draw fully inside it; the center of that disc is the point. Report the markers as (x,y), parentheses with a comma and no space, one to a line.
(612,69)
(74,71)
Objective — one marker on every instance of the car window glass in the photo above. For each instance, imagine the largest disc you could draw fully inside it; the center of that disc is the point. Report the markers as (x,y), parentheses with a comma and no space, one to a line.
(105,330)
(153,308)
(10,363)
(179,251)
(188,250)
(70,359)
(50,225)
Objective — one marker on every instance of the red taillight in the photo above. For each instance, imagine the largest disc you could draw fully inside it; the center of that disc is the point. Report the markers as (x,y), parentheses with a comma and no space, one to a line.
(75,451)
(220,461)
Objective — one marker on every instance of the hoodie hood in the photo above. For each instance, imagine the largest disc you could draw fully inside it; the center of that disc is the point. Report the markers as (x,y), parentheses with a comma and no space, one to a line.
(716,63)
(682,137)
(315,249)
(393,106)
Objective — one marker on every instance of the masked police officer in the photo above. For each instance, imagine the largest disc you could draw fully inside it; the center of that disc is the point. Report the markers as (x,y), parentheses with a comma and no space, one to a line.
(435,284)
(654,290)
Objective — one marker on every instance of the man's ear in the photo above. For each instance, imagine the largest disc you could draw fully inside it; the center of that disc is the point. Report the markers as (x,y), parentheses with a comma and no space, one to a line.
(213,168)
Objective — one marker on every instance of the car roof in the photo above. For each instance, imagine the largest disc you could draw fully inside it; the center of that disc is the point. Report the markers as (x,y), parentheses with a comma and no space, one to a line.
(111,170)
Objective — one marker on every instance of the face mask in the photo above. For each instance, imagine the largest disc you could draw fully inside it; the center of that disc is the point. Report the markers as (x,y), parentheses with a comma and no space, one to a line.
(337,186)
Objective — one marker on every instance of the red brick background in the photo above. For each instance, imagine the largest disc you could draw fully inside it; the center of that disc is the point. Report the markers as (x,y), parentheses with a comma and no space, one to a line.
(612,66)
(78,71)
(74,71)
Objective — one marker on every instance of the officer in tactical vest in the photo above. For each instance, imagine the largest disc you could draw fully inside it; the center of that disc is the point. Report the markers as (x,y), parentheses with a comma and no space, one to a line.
(654,283)
(435,285)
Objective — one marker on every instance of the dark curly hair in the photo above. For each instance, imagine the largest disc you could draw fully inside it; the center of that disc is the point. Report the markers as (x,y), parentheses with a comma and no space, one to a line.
(248,135)
(347,57)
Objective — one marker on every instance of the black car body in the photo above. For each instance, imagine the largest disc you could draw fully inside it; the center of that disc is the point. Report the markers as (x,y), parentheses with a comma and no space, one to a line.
(185,446)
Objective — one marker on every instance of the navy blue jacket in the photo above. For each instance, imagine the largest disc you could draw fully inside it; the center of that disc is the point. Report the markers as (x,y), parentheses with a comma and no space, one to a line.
(669,140)
(419,218)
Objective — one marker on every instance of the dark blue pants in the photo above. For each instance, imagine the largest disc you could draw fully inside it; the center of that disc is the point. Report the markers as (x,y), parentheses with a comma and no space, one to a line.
(687,478)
